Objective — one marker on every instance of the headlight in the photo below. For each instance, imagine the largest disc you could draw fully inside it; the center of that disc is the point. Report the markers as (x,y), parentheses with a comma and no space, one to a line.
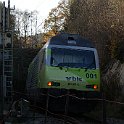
(51,83)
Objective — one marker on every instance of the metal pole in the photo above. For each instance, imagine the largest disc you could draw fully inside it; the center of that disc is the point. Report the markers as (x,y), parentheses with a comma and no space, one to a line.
(2,51)
(31,34)
(103,109)
(31,30)
(1,98)
(36,33)
(3,43)
(25,34)
(3,21)
(34,102)
(8,16)
(67,104)
(47,105)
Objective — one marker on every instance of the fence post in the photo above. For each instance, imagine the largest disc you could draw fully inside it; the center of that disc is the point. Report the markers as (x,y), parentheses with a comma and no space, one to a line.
(103,108)
(47,105)
(66,104)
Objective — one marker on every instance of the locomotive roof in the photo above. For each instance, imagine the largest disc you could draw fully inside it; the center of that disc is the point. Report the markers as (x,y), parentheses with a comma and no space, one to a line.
(70,40)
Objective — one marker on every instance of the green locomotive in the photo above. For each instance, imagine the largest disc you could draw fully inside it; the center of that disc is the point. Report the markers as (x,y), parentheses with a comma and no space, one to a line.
(66,62)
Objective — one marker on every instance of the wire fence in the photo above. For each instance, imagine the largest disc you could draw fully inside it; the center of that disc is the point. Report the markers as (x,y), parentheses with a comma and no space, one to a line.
(106,111)
(83,98)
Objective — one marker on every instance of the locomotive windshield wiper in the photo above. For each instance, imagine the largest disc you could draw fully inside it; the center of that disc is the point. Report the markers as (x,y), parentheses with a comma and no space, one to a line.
(84,68)
(63,65)
(60,67)
(89,66)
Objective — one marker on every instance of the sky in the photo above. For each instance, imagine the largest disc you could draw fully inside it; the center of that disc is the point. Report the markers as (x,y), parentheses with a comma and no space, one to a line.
(42,6)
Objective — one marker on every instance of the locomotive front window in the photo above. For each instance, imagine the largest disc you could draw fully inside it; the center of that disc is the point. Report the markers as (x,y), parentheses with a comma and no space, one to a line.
(72,58)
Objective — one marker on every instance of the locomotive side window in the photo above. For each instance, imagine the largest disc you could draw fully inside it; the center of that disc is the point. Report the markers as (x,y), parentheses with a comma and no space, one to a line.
(73,58)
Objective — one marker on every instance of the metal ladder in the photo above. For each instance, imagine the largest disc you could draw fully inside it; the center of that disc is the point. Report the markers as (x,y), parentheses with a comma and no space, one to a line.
(7,67)
(6,60)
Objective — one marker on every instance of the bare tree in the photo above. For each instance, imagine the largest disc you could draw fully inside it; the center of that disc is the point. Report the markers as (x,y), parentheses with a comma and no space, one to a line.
(25,24)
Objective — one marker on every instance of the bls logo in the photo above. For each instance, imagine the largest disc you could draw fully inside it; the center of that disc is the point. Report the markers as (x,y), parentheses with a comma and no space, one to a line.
(73,78)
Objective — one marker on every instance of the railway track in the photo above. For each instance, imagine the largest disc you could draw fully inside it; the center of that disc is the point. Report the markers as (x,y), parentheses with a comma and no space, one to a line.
(66,119)
(38,115)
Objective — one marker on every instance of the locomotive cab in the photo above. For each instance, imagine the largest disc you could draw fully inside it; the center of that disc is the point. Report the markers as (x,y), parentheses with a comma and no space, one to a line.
(70,65)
